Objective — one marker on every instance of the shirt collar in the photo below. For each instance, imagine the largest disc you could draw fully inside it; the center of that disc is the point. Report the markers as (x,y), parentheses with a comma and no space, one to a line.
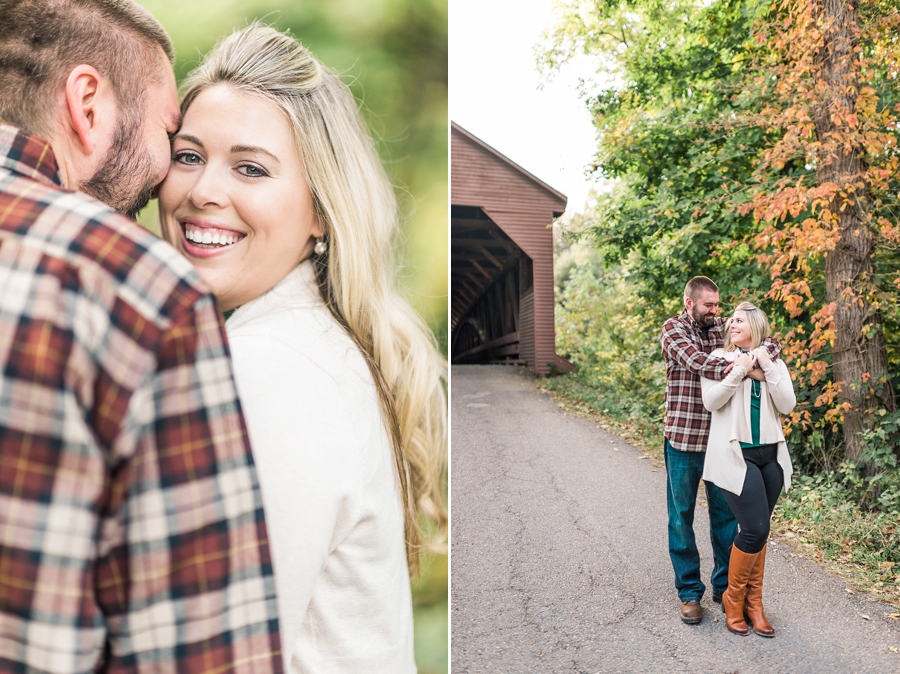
(28,155)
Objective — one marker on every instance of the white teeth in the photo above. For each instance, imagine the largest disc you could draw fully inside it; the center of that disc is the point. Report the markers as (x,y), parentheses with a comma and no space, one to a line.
(219,238)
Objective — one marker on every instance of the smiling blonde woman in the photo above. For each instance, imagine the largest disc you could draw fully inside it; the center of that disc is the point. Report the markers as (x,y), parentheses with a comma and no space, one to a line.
(747,457)
(278,197)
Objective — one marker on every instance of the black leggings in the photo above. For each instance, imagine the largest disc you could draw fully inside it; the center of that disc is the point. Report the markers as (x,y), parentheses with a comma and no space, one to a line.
(753,508)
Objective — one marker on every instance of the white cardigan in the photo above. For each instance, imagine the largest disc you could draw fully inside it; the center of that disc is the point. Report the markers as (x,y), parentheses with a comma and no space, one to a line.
(729,402)
(329,485)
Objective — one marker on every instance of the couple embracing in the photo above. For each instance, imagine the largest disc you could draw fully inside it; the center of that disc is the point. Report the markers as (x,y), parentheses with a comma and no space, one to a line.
(137,530)
(725,392)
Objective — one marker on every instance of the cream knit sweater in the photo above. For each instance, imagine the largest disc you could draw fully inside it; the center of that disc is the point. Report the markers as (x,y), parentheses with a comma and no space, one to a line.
(328,481)
(729,402)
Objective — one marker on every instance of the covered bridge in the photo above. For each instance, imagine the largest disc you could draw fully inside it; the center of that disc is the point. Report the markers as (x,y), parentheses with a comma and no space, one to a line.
(501,259)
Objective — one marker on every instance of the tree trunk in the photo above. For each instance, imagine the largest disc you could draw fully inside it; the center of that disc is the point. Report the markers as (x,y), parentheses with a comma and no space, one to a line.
(859,356)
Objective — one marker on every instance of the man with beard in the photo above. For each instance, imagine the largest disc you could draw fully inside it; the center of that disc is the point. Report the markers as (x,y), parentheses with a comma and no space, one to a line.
(687,340)
(132,535)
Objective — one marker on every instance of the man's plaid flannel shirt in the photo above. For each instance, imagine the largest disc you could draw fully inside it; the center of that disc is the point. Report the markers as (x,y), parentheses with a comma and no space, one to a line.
(686,348)
(132,536)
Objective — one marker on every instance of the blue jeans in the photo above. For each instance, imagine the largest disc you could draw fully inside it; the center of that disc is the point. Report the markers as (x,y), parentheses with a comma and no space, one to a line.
(684,470)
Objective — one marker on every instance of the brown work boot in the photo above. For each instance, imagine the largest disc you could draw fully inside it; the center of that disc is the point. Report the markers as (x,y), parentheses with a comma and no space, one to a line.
(753,606)
(733,600)
(691,613)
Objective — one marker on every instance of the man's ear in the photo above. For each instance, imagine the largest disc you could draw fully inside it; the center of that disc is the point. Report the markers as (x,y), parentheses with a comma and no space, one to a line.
(688,304)
(86,92)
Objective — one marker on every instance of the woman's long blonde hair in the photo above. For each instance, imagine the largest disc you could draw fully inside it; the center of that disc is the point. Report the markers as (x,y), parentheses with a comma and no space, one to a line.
(357,209)
(756,319)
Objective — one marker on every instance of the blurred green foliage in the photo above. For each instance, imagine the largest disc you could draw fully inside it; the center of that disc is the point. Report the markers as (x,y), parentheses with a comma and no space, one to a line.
(431,609)
(393,55)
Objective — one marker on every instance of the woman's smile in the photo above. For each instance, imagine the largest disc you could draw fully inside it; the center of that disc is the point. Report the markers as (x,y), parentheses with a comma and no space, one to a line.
(236,201)
(203,238)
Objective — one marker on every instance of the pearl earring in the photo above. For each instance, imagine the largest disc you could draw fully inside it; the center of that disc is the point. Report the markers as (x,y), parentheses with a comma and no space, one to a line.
(321,247)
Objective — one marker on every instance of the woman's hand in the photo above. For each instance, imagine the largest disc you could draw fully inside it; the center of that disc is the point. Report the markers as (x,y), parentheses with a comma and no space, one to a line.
(762,356)
(746,360)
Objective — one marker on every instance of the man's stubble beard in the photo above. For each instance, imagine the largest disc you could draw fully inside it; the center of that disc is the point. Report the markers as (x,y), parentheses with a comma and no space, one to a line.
(126,179)
(703,320)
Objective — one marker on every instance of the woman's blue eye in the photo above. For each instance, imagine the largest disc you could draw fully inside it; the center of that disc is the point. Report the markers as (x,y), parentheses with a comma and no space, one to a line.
(189,158)
(252,171)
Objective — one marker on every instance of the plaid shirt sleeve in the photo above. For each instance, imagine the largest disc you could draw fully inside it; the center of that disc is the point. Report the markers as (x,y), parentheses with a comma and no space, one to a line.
(772,347)
(681,349)
(132,536)
(185,577)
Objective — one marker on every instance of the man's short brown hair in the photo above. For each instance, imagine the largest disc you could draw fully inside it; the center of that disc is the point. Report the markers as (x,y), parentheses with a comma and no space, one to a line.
(698,283)
(41,41)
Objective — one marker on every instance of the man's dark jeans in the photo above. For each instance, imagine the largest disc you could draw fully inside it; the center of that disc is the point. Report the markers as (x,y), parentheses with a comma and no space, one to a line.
(683,471)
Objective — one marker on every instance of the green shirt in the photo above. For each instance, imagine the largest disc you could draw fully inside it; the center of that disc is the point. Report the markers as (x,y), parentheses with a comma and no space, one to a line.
(755,393)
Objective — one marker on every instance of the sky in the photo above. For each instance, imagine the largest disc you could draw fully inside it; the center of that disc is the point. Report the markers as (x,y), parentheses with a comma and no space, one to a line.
(494,93)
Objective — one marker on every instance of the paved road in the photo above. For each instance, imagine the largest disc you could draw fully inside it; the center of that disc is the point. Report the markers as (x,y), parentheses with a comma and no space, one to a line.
(559,560)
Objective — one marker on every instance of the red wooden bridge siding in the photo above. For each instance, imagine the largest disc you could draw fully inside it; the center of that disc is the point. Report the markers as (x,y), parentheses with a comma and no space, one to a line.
(523,207)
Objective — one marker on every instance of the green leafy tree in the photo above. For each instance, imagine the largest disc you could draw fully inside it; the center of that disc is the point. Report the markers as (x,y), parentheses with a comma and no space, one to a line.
(674,69)
(756,144)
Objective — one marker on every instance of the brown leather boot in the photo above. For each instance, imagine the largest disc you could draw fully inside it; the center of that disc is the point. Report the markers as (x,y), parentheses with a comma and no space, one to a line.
(739,568)
(753,607)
